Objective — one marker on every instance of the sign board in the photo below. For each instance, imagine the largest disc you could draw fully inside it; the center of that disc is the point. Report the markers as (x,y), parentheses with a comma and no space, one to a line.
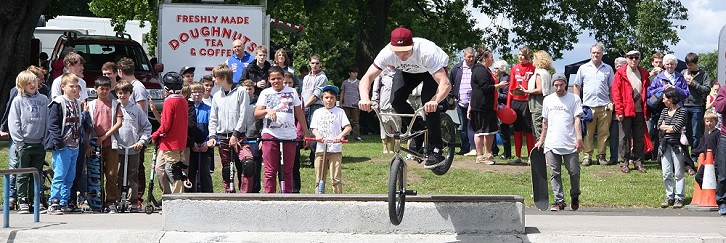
(201,35)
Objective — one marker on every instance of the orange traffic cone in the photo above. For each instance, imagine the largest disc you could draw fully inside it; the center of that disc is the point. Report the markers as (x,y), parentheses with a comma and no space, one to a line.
(707,197)
(697,188)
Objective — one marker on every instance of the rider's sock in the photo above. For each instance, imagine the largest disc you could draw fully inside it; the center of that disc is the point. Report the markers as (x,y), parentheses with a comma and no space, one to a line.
(518,144)
(530,141)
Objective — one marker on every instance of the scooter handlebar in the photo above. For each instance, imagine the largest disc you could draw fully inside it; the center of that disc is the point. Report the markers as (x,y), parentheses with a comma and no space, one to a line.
(325,140)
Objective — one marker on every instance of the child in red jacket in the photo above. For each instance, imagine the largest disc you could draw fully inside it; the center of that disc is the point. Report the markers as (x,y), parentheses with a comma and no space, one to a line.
(171,137)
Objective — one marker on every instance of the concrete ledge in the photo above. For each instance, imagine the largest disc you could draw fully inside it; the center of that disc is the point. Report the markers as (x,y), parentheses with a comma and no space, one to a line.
(363,214)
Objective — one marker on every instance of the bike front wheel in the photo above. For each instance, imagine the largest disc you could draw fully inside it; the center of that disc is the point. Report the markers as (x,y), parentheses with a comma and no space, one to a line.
(396,191)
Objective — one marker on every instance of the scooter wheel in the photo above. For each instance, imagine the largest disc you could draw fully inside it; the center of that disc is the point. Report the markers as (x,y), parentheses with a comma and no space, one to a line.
(188,184)
(149,209)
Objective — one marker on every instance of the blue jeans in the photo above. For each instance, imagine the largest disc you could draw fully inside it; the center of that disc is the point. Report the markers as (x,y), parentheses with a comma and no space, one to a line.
(64,171)
(12,164)
(673,171)
(466,133)
(694,125)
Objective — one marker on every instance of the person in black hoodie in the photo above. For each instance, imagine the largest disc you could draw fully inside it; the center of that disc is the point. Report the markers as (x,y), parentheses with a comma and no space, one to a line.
(483,106)
(257,70)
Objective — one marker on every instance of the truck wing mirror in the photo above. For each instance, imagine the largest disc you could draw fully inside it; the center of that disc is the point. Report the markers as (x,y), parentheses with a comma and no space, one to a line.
(159,67)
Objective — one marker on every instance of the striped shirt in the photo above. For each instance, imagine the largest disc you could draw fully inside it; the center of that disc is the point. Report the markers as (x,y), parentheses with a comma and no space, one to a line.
(678,121)
(465,86)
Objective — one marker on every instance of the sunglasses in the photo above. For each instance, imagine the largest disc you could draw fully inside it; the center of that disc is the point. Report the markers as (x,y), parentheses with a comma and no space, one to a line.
(634,57)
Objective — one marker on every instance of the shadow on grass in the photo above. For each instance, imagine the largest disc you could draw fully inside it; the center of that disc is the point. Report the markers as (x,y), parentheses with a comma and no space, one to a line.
(349,159)
(305,162)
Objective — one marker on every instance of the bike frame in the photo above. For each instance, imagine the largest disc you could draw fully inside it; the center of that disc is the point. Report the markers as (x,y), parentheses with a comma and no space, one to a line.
(409,134)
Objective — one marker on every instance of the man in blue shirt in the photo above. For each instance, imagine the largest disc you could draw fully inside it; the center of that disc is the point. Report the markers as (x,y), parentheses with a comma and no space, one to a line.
(594,79)
(239,61)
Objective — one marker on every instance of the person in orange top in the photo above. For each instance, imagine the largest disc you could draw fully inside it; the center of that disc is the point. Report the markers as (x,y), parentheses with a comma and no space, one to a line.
(518,80)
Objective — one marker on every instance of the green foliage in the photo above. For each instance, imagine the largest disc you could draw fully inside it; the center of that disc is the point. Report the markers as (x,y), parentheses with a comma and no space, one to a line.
(121,11)
(74,8)
(646,25)
(709,63)
(333,29)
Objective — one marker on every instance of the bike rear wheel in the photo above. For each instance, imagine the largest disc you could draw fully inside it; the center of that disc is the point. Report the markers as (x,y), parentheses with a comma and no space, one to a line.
(448,135)
(396,191)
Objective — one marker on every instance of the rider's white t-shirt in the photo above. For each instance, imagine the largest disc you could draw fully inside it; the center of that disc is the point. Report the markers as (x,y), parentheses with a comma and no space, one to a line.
(426,57)
(330,123)
(560,113)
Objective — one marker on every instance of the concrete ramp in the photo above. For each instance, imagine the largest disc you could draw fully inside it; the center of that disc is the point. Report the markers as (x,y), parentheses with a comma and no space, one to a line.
(346,213)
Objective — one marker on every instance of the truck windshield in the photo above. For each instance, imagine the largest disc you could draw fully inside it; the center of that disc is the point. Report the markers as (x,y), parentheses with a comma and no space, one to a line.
(95,55)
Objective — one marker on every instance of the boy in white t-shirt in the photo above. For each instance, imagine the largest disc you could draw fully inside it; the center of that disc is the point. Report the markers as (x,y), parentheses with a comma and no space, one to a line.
(279,107)
(330,125)
(563,140)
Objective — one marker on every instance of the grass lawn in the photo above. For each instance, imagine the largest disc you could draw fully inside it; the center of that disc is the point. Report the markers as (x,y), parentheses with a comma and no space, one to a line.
(365,171)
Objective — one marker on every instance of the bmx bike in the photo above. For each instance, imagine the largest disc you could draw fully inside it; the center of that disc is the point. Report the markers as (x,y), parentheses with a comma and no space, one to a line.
(397,184)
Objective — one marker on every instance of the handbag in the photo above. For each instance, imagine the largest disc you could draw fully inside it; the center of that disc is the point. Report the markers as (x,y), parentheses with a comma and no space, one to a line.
(684,138)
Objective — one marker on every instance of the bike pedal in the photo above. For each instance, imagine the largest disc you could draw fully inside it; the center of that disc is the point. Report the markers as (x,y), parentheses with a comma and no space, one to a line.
(410,192)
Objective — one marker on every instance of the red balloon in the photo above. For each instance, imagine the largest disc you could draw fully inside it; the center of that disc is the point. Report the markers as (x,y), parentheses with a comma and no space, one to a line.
(506,115)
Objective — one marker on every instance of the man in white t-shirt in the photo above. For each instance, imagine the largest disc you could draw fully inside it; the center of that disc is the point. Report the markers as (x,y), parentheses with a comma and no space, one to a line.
(563,140)
(419,60)
(73,64)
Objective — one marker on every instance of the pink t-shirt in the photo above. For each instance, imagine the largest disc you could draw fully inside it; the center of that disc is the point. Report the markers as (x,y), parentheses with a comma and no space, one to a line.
(102,118)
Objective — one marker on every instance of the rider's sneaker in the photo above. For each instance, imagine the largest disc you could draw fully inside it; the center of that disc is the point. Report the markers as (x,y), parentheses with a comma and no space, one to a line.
(434,159)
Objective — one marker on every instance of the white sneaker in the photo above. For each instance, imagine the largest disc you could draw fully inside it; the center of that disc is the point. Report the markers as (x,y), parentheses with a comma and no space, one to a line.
(470,153)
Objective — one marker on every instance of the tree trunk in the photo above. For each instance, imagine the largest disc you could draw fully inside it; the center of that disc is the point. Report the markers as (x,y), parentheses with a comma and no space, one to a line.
(372,35)
(18,19)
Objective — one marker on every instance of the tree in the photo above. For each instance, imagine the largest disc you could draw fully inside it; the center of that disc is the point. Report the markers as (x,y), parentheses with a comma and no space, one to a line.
(348,33)
(18,19)
(645,25)
(709,62)
(121,11)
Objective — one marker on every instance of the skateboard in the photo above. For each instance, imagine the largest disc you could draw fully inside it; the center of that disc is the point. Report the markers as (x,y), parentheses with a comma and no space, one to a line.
(93,168)
(539,179)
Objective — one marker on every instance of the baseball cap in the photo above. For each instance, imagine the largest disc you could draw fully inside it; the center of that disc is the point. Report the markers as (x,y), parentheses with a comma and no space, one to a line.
(632,53)
(401,39)
(187,69)
(332,88)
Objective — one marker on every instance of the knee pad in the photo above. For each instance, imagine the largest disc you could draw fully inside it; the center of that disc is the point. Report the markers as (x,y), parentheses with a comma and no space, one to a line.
(248,167)
(177,172)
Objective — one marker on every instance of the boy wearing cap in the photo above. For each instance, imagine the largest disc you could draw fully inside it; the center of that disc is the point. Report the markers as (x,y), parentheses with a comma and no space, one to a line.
(419,60)
(187,74)
(563,141)
(628,94)
(329,125)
